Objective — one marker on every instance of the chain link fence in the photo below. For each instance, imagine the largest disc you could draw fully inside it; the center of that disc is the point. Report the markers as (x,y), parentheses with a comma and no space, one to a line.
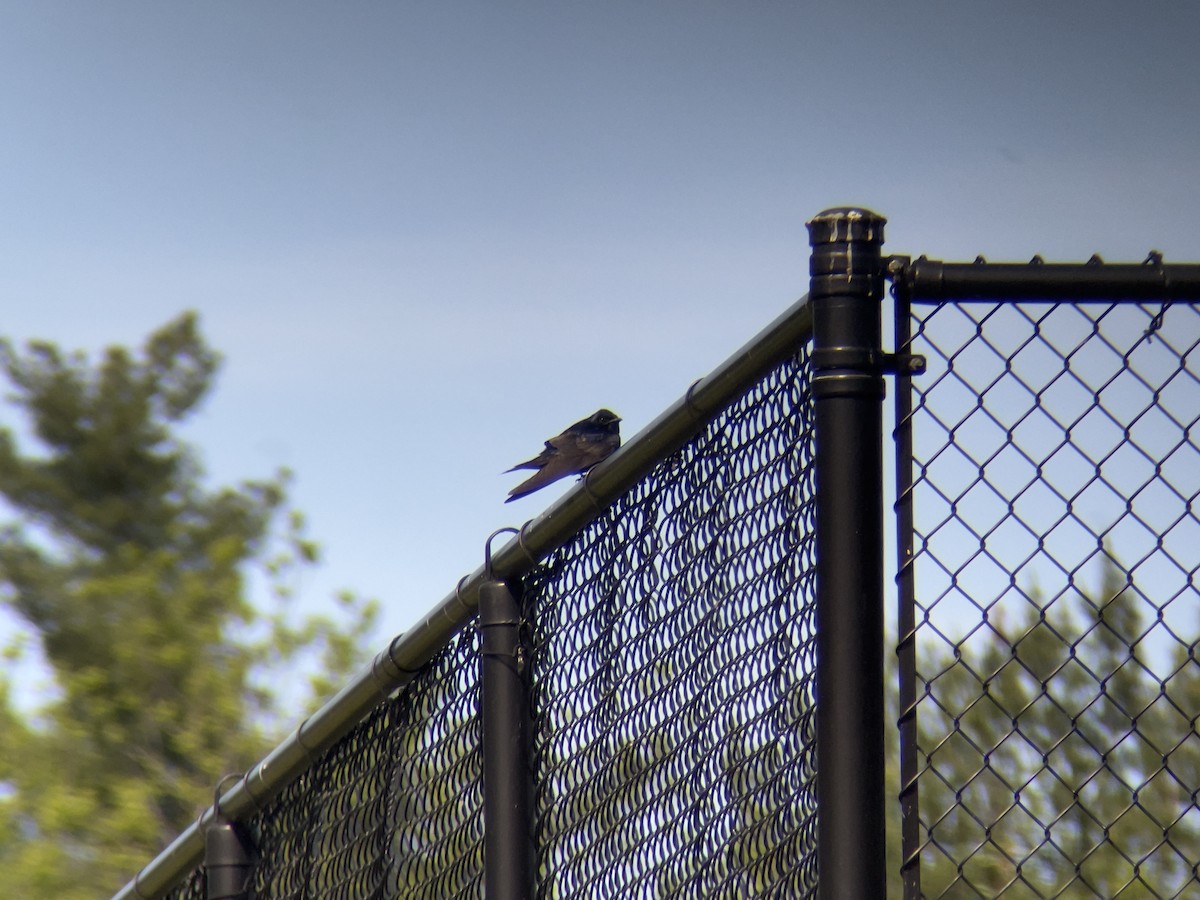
(1048,471)
(1056,458)
(394,809)
(671,671)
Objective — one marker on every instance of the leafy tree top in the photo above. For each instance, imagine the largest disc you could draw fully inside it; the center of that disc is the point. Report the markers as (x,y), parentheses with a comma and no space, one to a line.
(131,570)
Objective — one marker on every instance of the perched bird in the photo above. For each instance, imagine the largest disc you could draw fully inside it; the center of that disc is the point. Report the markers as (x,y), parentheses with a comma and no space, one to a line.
(575,450)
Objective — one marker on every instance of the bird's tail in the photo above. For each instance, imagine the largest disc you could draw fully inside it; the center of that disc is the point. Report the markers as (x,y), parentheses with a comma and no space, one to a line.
(539,479)
(528,464)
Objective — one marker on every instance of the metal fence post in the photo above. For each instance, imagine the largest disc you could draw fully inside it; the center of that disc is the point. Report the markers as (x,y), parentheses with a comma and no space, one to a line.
(846,289)
(508,850)
(228,857)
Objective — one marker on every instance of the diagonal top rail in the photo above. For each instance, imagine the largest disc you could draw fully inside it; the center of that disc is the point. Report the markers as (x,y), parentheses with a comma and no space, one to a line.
(398,664)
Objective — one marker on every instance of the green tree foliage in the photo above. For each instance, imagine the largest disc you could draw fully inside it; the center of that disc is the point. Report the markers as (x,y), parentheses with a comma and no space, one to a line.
(1061,759)
(132,572)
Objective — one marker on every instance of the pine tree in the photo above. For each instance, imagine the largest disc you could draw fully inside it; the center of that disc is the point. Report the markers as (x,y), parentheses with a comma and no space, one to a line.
(132,572)
(1060,762)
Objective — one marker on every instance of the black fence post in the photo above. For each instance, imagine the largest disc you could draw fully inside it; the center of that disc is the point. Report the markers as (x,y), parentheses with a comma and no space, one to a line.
(845,291)
(508,850)
(228,858)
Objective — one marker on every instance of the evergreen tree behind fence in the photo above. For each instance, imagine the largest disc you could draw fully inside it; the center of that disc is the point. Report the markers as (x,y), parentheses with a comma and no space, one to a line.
(1057,685)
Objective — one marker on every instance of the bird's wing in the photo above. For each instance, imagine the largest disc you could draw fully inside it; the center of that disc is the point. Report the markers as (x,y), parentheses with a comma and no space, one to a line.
(538,461)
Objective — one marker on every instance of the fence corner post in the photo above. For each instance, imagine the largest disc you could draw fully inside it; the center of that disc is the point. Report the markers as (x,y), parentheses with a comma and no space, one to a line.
(846,290)
(508,848)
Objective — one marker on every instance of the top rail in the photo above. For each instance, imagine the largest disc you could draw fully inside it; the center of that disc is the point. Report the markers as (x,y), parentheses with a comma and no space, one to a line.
(934,281)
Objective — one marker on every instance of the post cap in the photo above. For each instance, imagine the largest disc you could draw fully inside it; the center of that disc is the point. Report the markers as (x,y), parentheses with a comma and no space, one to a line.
(846,223)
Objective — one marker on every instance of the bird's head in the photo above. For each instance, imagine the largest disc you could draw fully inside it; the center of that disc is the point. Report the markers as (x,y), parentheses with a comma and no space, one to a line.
(604,417)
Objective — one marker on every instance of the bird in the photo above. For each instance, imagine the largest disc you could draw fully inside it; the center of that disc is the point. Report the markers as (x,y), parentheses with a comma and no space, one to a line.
(576,450)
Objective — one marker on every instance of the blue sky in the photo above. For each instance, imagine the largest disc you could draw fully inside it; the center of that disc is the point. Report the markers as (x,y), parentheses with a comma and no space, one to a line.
(426,236)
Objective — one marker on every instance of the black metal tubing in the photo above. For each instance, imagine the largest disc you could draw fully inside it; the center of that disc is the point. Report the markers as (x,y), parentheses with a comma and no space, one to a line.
(933,281)
(228,864)
(845,291)
(906,622)
(508,847)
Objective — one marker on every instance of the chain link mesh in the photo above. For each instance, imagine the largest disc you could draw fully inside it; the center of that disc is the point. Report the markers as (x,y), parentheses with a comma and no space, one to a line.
(1057,535)
(673,672)
(393,810)
(672,683)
